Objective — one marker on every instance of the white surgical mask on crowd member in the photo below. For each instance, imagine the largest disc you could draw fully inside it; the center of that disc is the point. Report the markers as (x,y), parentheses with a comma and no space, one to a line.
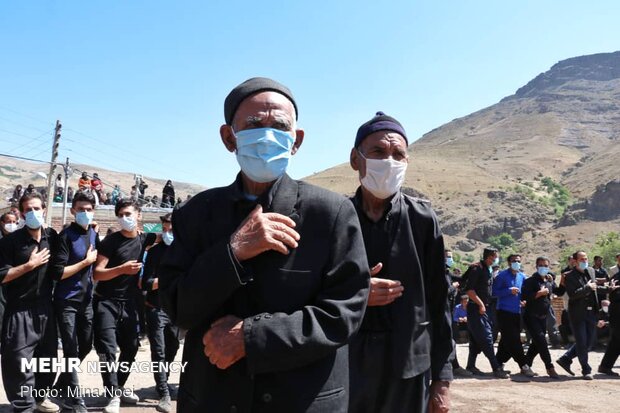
(127,223)
(11,227)
(384,177)
(167,237)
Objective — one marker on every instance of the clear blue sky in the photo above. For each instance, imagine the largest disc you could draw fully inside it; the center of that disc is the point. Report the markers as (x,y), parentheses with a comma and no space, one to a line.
(140,85)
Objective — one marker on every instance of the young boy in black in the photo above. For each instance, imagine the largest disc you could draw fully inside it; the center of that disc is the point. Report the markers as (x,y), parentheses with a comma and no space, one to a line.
(117,268)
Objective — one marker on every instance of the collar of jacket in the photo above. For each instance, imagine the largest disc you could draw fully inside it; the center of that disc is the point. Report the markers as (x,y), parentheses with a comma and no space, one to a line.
(282,197)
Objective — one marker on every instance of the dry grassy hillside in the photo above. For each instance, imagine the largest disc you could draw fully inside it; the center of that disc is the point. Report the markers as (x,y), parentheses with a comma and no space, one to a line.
(489,173)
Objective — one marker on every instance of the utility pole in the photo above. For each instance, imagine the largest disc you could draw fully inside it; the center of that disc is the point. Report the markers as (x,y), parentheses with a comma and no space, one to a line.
(68,173)
(51,177)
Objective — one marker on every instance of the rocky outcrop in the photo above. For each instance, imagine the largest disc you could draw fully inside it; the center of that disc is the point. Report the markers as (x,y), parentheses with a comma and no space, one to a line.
(605,202)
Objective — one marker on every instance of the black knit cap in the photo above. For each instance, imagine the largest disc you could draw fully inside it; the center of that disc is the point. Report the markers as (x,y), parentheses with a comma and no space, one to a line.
(380,121)
(249,88)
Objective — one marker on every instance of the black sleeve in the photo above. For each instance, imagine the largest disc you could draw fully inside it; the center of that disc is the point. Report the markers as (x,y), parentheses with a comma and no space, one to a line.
(574,289)
(528,291)
(194,285)
(59,260)
(150,264)
(471,275)
(442,349)
(6,252)
(107,247)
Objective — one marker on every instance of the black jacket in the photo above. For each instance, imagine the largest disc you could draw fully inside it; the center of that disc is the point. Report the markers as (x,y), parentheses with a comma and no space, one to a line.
(299,310)
(539,307)
(421,333)
(581,298)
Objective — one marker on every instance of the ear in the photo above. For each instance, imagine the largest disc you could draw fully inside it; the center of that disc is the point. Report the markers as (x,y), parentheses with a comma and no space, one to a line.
(73,211)
(299,139)
(228,138)
(357,163)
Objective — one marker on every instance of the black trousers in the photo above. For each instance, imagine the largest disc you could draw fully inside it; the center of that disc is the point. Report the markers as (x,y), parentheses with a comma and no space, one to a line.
(613,347)
(26,334)
(537,326)
(373,389)
(75,324)
(116,323)
(510,343)
(164,340)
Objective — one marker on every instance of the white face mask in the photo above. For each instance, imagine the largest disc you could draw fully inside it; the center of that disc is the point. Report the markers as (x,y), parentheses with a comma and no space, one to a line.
(10,227)
(127,223)
(605,309)
(384,177)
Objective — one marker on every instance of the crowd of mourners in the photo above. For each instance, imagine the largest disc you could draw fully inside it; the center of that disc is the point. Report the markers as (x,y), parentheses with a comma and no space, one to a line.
(92,183)
(293,298)
(486,301)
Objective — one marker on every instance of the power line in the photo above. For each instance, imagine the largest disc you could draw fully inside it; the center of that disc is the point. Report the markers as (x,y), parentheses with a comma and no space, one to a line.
(23,158)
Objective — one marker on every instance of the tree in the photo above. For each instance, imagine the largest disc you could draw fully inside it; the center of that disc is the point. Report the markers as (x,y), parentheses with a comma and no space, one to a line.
(501,241)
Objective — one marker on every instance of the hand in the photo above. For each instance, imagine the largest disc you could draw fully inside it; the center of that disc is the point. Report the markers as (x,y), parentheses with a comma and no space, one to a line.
(482,309)
(514,290)
(523,303)
(95,226)
(155,284)
(39,258)
(223,342)
(131,267)
(91,256)
(544,291)
(382,290)
(455,284)
(600,323)
(261,232)
(439,401)
(592,285)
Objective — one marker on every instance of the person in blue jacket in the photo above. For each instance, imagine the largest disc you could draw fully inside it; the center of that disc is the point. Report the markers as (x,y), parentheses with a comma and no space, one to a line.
(507,288)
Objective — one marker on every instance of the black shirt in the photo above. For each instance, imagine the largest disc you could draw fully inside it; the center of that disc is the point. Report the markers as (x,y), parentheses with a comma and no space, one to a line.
(120,249)
(479,279)
(378,238)
(34,286)
(151,265)
(539,307)
(72,248)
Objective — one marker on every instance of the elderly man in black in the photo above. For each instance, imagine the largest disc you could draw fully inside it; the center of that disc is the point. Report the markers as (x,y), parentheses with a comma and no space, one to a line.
(583,306)
(29,328)
(405,339)
(536,291)
(269,275)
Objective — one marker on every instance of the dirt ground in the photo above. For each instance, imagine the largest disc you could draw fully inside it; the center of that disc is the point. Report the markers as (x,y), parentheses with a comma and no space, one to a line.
(482,394)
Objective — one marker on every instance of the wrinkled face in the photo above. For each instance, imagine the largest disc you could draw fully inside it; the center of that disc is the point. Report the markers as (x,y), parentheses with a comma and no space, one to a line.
(263,110)
(542,263)
(515,259)
(379,145)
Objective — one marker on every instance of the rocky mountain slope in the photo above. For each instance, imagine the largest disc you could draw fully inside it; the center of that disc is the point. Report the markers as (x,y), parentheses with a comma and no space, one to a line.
(541,165)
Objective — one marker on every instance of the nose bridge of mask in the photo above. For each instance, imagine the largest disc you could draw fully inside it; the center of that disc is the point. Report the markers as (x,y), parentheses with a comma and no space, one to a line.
(267,144)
